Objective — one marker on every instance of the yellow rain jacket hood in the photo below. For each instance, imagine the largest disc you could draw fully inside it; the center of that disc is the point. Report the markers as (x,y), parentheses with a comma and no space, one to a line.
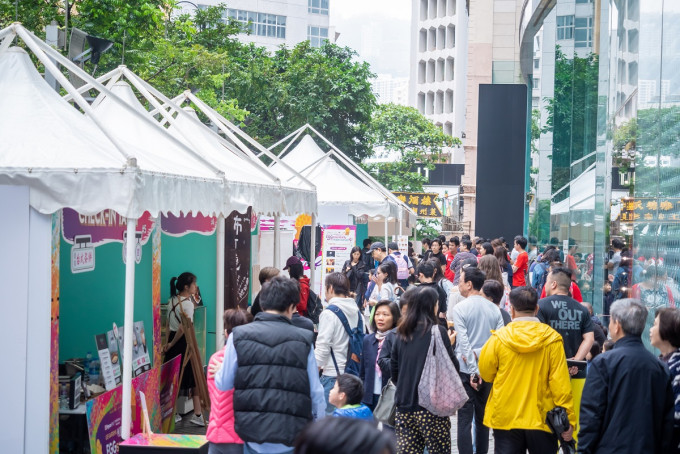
(525,360)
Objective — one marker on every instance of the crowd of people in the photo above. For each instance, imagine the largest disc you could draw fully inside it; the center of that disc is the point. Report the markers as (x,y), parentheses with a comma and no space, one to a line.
(497,337)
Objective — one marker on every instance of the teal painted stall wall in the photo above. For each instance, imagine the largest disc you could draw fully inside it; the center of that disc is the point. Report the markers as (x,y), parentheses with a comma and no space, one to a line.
(197,254)
(89,303)
(362,234)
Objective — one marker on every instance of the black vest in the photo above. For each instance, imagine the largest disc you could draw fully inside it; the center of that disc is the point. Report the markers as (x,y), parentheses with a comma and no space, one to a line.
(272,402)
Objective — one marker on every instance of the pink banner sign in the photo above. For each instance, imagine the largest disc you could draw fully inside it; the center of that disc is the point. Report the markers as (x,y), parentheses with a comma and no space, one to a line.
(188,223)
(104,413)
(104,227)
(168,392)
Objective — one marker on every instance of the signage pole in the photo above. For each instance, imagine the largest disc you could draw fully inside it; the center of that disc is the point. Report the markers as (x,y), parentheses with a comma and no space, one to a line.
(128,328)
(277,240)
(219,291)
(312,254)
(386,227)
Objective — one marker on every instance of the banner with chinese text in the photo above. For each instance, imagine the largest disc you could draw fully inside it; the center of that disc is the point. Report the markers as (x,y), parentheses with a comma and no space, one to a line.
(423,203)
(650,209)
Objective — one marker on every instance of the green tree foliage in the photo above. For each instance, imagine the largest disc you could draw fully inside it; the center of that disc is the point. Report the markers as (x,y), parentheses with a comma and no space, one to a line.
(33,14)
(415,140)
(325,87)
(572,116)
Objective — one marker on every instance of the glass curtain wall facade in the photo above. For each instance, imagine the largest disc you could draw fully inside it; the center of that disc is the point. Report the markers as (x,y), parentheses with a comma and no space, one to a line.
(606,137)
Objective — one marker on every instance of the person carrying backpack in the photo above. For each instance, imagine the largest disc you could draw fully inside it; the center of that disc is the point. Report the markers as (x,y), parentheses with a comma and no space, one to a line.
(404,265)
(339,344)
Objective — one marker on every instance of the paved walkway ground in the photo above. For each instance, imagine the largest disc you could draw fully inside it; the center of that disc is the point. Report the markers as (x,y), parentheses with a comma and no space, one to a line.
(185,427)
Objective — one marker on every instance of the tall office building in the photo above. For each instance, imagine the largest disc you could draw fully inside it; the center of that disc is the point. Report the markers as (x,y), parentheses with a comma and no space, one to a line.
(388,89)
(277,22)
(438,64)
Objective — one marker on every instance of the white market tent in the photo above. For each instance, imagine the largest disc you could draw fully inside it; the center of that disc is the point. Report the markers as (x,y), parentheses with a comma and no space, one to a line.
(295,190)
(68,157)
(340,181)
(248,181)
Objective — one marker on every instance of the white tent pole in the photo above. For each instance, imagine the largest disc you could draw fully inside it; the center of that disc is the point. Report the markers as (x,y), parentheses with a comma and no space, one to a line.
(112,75)
(312,166)
(9,30)
(297,132)
(352,165)
(292,141)
(35,46)
(219,291)
(6,42)
(218,119)
(128,327)
(312,254)
(277,240)
(386,227)
(401,221)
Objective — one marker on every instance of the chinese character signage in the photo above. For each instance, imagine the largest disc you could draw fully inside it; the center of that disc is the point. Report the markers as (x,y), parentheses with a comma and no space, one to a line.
(423,203)
(650,209)
(237,259)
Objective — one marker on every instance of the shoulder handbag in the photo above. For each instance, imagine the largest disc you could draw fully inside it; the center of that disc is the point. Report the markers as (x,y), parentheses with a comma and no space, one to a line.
(440,390)
(386,409)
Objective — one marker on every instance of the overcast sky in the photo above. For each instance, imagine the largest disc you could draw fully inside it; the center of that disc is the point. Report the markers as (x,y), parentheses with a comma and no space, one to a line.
(378,29)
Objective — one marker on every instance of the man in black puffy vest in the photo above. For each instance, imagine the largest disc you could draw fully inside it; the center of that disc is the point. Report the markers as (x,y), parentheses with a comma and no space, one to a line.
(271,367)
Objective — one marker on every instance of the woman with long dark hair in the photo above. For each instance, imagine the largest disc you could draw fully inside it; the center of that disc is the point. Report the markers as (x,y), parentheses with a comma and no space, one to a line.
(416,427)
(297,271)
(354,269)
(182,290)
(501,255)
(385,281)
(385,319)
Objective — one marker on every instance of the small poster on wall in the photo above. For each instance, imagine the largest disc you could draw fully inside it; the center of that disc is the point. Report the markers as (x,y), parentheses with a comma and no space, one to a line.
(141,361)
(107,349)
(337,244)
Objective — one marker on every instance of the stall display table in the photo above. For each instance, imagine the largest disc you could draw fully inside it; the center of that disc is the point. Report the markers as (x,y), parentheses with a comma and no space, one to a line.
(165,443)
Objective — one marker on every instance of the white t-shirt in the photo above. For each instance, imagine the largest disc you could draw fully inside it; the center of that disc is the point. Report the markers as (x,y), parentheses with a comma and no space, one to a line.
(174,318)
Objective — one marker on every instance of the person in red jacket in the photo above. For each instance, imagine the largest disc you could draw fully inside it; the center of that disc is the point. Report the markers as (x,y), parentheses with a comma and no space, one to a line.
(297,272)
(449,254)
(221,434)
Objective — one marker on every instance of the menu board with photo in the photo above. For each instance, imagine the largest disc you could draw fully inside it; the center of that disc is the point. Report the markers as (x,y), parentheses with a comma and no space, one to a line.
(337,244)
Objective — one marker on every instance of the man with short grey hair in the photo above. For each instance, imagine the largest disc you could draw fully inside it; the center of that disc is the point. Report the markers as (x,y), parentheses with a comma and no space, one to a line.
(627,403)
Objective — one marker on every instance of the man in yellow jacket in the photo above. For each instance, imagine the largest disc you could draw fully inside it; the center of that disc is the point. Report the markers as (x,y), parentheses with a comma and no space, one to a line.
(525,360)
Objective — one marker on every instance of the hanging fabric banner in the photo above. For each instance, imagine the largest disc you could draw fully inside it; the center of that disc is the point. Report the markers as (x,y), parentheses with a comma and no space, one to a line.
(237,259)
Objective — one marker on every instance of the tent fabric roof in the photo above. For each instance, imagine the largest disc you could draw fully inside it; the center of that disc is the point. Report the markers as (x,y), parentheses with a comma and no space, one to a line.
(67,161)
(335,185)
(249,184)
(298,195)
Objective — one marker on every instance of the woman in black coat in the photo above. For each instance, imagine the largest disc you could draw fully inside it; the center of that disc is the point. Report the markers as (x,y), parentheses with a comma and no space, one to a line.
(355,269)
(385,319)
(416,427)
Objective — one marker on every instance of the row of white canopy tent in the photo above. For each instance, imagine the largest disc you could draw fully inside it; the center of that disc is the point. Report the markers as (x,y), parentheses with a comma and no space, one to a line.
(115,154)
(338,179)
(88,162)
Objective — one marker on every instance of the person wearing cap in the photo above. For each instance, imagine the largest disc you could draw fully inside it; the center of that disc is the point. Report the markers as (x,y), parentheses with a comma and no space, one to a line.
(296,271)
(379,253)
(403,269)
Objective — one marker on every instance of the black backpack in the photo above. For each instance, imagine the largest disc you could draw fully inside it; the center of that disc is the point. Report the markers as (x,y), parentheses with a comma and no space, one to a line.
(314,307)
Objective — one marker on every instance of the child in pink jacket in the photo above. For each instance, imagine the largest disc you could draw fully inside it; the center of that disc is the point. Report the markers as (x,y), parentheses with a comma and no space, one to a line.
(221,434)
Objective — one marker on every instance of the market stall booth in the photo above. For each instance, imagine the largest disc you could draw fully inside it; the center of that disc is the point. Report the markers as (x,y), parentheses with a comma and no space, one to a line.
(64,169)
(251,187)
(346,194)
(272,237)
